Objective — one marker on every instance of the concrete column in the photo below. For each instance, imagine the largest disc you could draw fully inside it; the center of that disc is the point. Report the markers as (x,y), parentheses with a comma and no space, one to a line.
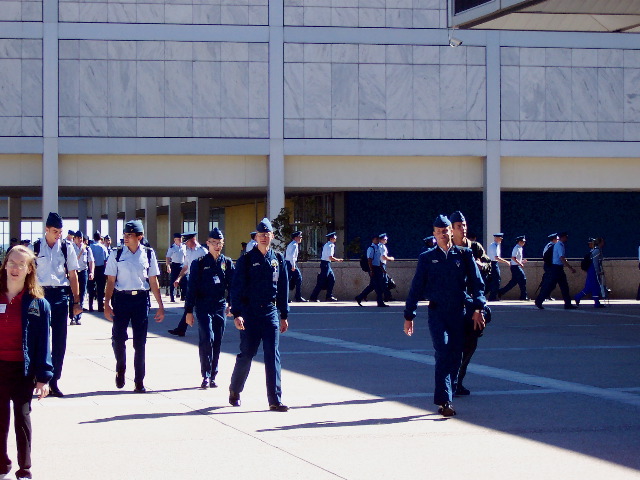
(491,192)
(175,217)
(14,209)
(151,221)
(338,223)
(129,208)
(96,215)
(50,107)
(112,216)
(82,215)
(275,188)
(202,218)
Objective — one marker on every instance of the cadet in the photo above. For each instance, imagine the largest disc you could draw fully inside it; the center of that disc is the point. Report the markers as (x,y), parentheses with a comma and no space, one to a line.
(451,281)
(594,284)
(259,290)
(547,265)
(495,255)
(373,285)
(471,334)
(380,269)
(326,278)
(252,243)
(100,255)
(193,251)
(56,271)
(174,262)
(209,278)
(85,270)
(132,270)
(557,275)
(517,270)
(291,259)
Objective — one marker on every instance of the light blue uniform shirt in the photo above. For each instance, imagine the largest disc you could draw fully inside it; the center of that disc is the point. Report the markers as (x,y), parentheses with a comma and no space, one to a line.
(327,251)
(177,253)
(100,253)
(50,264)
(558,251)
(131,270)
(291,255)
(84,256)
(193,254)
(494,251)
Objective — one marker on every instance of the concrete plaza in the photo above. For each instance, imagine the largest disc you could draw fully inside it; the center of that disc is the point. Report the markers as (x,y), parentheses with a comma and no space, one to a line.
(556,394)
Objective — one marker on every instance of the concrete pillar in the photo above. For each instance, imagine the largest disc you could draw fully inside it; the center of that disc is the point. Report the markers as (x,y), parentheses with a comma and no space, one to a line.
(202,218)
(96,215)
(49,177)
(14,209)
(151,221)
(82,215)
(112,216)
(129,208)
(338,223)
(175,217)
(275,189)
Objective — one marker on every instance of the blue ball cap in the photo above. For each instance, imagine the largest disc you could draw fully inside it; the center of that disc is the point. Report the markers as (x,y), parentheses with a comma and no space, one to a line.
(133,226)
(441,221)
(456,216)
(216,234)
(54,220)
(264,226)
(296,234)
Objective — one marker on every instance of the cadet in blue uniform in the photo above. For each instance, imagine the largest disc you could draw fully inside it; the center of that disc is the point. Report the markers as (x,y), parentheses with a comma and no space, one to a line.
(594,284)
(557,275)
(495,255)
(449,278)
(209,278)
(370,255)
(56,271)
(85,270)
(132,270)
(291,259)
(174,261)
(517,270)
(100,255)
(326,278)
(260,290)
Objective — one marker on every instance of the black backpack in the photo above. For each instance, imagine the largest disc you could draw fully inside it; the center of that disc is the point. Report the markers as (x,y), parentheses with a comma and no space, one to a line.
(548,256)
(364,262)
(64,245)
(586,262)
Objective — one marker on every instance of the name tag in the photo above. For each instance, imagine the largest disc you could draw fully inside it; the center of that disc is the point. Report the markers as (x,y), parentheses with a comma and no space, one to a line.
(216,280)
(3,307)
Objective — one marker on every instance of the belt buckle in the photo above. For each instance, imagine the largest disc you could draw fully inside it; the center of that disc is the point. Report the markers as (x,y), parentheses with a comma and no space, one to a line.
(134,292)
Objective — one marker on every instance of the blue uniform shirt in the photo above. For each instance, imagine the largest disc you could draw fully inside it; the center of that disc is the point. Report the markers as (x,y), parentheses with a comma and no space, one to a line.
(100,253)
(444,279)
(558,251)
(259,280)
(209,279)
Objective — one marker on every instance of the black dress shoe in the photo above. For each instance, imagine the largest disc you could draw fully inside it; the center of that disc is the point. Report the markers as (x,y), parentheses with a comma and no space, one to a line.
(140,388)
(212,383)
(446,410)
(4,469)
(54,391)
(301,300)
(539,305)
(461,391)
(120,380)
(176,332)
(570,307)
(279,407)
(314,300)
(359,301)
(332,299)
(383,305)
(205,383)
(234,398)
(23,473)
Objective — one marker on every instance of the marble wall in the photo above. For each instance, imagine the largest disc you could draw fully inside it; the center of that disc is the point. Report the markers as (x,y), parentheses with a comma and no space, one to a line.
(384,91)
(570,94)
(163,89)
(366,13)
(184,12)
(21,11)
(20,87)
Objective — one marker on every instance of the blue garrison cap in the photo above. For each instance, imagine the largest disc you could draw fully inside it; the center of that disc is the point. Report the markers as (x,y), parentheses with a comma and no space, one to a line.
(456,216)
(429,240)
(107,237)
(332,234)
(552,236)
(591,240)
(216,234)
(382,235)
(441,221)
(520,238)
(499,234)
(133,226)
(176,235)
(295,234)
(253,234)
(264,226)
(188,235)
(54,220)
(70,232)
(78,234)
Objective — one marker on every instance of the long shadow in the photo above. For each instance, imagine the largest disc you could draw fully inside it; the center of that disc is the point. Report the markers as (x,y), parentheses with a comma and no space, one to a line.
(571,421)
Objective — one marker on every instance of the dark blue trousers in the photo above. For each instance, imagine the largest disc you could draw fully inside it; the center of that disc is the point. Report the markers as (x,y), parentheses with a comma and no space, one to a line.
(211,323)
(446,326)
(266,329)
(517,278)
(83,277)
(58,298)
(326,280)
(175,271)
(295,278)
(96,287)
(494,281)
(132,309)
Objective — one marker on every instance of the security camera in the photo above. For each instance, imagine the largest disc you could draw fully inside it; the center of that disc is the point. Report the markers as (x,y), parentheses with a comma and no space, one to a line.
(454,42)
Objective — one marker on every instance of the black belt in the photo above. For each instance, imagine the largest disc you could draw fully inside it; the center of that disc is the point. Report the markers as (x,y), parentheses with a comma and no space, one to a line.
(176,263)
(132,292)
(51,287)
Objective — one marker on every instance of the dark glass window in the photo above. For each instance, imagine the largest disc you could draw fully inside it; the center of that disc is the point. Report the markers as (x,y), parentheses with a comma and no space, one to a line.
(462,5)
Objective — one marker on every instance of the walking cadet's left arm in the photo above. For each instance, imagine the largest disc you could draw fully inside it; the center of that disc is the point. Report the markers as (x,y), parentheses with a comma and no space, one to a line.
(282,296)
(155,289)
(475,286)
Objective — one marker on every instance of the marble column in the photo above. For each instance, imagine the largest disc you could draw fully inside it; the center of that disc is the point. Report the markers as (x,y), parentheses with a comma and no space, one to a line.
(175,217)
(96,215)
(14,209)
(202,218)
(151,221)
(82,215)
(129,208)
(112,216)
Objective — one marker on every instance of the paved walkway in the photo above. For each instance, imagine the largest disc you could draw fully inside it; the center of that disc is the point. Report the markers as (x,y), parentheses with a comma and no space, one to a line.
(556,394)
